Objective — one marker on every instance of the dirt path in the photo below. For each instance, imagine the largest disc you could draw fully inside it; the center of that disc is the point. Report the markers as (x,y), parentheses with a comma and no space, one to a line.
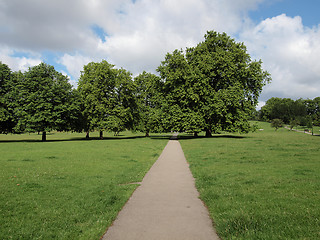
(166,205)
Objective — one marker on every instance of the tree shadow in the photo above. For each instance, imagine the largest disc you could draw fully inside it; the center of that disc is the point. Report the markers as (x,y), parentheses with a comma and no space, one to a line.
(72,139)
(40,141)
(124,137)
(188,137)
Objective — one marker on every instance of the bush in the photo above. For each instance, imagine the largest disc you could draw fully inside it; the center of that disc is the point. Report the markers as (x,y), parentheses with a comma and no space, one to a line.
(276,123)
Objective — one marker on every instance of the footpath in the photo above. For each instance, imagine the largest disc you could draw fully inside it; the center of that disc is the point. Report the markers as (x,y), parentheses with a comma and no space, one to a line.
(298,130)
(166,205)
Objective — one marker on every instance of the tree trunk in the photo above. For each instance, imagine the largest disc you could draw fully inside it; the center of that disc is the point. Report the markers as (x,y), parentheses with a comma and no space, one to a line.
(208,133)
(101,135)
(87,135)
(147,134)
(44,136)
(195,134)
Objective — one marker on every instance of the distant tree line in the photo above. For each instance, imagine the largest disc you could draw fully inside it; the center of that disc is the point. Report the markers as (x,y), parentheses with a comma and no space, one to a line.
(212,87)
(304,112)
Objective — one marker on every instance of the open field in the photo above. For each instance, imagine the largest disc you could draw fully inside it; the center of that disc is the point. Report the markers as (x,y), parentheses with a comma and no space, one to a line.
(264,185)
(69,188)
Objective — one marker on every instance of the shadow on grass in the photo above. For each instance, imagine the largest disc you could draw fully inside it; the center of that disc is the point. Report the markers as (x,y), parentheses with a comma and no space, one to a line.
(121,137)
(164,136)
(187,137)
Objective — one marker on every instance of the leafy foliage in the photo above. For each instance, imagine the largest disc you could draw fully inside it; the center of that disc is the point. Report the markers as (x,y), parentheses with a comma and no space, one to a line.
(313,110)
(285,109)
(293,123)
(42,100)
(6,115)
(276,123)
(149,101)
(213,87)
(108,97)
(303,112)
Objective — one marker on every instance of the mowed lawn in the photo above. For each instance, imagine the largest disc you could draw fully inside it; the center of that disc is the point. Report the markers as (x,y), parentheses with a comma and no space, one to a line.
(69,188)
(262,185)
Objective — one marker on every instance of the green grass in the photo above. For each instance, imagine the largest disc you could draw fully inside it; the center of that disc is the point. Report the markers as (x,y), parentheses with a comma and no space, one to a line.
(316,129)
(69,188)
(264,185)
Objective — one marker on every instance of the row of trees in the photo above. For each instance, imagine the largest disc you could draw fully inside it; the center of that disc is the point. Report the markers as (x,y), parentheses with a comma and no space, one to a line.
(212,87)
(304,112)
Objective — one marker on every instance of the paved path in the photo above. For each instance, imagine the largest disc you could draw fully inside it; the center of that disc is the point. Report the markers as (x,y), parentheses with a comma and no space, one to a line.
(166,205)
(298,130)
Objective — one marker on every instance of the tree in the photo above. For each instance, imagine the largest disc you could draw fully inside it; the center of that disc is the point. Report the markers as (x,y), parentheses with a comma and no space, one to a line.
(148,102)
(285,109)
(294,123)
(73,119)
(276,123)
(316,114)
(6,114)
(213,87)
(42,101)
(123,109)
(313,109)
(108,97)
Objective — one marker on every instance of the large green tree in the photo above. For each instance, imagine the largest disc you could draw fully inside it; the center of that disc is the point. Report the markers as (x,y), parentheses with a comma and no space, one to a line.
(213,87)
(149,100)
(313,109)
(108,97)
(42,100)
(285,109)
(6,114)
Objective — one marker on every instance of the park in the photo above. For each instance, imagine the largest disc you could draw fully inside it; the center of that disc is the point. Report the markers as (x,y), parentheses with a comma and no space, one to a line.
(72,158)
(259,185)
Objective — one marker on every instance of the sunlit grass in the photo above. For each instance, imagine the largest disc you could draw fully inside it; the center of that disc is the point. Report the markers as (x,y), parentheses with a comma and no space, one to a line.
(316,129)
(264,185)
(69,188)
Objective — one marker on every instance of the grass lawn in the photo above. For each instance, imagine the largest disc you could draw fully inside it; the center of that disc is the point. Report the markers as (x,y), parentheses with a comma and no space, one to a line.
(262,185)
(316,129)
(69,188)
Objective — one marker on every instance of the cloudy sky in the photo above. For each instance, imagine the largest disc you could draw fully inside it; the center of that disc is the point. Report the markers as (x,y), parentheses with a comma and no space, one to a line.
(136,35)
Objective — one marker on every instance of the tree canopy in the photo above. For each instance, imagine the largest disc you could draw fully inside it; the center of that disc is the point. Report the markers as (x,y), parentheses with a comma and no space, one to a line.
(108,97)
(293,112)
(276,123)
(213,87)
(6,115)
(42,100)
(149,101)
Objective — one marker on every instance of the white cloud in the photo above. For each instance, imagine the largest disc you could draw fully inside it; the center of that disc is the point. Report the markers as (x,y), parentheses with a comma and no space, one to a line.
(74,64)
(17,63)
(150,29)
(260,105)
(140,33)
(290,52)
(48,25)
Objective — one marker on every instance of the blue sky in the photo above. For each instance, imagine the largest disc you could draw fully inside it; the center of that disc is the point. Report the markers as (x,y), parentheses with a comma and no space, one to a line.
(136,35)
(307,9)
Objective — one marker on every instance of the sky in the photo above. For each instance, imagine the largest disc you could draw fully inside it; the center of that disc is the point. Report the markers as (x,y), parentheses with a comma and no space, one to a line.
(137,34)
